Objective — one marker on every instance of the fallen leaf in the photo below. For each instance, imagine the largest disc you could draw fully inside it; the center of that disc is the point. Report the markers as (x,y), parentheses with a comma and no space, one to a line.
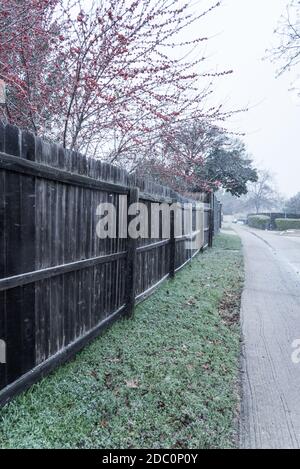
(108,380)
(191,302)
(103,423)
(133,384)
(95,375)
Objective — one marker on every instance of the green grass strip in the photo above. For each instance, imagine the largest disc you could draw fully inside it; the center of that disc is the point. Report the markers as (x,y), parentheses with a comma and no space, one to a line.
(169,378)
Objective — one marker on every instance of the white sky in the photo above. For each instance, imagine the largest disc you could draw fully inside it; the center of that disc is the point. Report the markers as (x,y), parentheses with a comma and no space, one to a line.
(243,30)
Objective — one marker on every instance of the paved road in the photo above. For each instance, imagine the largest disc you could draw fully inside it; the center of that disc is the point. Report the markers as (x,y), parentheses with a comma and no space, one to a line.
(271,323)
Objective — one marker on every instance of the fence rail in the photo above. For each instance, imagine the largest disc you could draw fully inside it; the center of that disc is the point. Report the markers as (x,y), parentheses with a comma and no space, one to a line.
(60,285)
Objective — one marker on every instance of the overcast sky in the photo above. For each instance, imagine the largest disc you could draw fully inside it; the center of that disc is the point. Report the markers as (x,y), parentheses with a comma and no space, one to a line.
(243,30)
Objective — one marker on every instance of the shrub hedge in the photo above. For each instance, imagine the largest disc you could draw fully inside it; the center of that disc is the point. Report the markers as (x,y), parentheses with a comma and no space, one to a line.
(283,224)
(262,222)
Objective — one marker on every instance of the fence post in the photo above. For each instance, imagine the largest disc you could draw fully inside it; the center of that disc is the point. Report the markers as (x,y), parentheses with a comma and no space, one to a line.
(172,244)
(211,220)
(133,198)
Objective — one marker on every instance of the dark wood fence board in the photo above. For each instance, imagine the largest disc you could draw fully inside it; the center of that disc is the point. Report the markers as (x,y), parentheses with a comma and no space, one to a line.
(60,285)
(3,320)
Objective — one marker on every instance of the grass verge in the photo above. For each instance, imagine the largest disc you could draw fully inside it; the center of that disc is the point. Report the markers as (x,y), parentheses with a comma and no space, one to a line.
(167,379)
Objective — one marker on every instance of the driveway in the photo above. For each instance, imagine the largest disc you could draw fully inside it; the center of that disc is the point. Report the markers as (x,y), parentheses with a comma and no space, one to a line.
(271,324)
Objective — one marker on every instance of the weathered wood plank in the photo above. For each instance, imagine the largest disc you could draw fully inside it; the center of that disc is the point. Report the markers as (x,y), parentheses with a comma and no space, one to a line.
(133,198)
(3,318)
(42,171)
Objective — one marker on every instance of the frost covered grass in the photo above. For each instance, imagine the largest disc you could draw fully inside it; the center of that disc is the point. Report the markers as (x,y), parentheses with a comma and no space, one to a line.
(169,378)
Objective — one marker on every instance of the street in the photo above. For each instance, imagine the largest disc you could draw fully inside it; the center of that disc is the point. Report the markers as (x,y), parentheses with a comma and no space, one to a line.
(270,317)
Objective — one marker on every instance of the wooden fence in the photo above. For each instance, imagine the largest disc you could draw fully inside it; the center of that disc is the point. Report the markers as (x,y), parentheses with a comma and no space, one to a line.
(60,285)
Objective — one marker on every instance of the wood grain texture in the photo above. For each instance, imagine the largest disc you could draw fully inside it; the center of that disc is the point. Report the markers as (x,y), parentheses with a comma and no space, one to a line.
(58,281)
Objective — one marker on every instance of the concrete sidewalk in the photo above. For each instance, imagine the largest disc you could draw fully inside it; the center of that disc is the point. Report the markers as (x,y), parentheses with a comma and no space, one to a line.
(271,324)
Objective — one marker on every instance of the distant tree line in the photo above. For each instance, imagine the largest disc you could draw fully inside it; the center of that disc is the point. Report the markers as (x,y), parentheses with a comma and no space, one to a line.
(262,196)
(293,204)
